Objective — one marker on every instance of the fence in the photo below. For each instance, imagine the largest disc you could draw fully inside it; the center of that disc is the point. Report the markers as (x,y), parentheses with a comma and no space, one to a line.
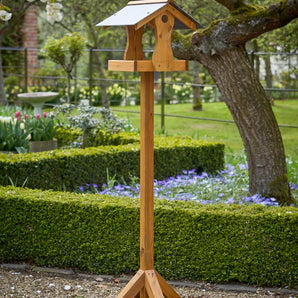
(277,72)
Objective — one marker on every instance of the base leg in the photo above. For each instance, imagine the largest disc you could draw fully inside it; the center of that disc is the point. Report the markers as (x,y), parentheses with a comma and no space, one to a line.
(134,286)
(148,284)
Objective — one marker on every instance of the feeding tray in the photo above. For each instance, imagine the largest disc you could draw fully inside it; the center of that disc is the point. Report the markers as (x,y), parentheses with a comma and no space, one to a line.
(163,16)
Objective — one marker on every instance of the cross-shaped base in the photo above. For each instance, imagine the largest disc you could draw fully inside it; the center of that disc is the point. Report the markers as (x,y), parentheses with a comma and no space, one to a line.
(149,284)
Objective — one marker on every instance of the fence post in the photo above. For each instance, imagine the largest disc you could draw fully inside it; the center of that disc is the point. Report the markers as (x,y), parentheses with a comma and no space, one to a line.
(162,102)
(26,69)
(90,76)
(252,57)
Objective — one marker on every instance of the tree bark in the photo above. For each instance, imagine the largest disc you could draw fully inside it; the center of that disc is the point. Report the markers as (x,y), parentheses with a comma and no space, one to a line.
(197,102)
(221,49)
(253,115)
(268,77)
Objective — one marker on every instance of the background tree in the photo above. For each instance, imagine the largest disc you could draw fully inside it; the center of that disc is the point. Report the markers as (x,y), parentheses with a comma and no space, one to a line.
(11,16)
(221,49)
(66,51)
(82,17)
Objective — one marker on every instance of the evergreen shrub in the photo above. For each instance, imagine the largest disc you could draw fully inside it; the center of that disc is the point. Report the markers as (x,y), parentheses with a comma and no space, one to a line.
(252,244)
(69,168)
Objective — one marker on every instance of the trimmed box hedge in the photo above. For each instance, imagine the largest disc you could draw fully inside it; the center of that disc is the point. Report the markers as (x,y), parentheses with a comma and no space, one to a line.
(69,168)
(221,243)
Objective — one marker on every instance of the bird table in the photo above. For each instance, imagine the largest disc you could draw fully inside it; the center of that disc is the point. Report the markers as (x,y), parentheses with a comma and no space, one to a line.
(163,16)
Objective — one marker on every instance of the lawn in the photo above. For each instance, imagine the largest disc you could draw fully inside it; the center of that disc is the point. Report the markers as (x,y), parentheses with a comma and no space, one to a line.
(286,112)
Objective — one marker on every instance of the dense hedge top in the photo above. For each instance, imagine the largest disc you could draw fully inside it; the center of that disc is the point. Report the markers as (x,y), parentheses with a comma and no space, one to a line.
(10,192)
(159,141)
(98,233)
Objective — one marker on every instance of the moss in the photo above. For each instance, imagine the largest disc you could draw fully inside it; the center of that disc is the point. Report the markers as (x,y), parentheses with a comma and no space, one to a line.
(243,12)
(184,40)
(281,185)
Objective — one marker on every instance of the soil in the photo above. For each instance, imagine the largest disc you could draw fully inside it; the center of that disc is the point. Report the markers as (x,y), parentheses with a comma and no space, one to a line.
(22,280)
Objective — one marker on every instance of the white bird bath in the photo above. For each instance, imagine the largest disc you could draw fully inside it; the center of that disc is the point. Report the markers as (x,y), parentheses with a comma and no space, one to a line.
(37,99)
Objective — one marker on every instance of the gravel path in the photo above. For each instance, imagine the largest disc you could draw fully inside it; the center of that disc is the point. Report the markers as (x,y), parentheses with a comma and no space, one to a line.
(21,280)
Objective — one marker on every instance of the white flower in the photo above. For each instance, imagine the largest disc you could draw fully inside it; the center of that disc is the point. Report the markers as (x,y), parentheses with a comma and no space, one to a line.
(5,16)
(22,126)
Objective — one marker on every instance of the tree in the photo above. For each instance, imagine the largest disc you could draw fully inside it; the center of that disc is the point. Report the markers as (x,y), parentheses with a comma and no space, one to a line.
(66,51)
(11,15)
(87,14)
(221,49)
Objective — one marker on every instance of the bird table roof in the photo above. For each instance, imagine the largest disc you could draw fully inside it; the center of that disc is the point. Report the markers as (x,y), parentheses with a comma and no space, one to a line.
(141,12)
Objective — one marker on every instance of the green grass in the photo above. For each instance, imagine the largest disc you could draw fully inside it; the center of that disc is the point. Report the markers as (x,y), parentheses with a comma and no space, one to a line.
(286,112)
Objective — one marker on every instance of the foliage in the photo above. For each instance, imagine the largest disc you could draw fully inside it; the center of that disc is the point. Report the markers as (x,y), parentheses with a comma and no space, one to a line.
(41,128)
(116,94)
(72,167)
(100,234)
(89,124)
(229,186)
(13,137)
(66,51)
(183,93)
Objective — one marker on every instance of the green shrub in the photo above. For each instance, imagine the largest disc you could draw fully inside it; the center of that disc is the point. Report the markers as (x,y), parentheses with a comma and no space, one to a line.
(66,169)
(220,243)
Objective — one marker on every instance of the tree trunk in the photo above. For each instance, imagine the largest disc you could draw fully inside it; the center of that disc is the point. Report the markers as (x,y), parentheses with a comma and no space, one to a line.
(3,98)
(253,115)
(68,75)
(256,59)
(197,102)
(104,83)
(268,77)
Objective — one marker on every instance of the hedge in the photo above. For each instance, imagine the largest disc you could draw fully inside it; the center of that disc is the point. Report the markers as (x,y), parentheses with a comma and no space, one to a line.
(69,168)
(251,244)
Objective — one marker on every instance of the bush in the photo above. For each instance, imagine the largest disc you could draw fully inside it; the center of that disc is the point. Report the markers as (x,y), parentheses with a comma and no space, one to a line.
(67,169)
(221,243)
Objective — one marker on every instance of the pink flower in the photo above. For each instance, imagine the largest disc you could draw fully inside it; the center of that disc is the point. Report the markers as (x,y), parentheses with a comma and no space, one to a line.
(44,115)
(26,116)
(19,118)
(17,114)
(37,116)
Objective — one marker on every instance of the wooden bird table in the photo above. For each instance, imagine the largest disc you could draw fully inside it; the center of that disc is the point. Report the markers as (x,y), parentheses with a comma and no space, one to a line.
(147,282)
(162,15)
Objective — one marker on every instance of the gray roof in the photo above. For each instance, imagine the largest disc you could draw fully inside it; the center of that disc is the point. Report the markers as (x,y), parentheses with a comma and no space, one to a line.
(132,14)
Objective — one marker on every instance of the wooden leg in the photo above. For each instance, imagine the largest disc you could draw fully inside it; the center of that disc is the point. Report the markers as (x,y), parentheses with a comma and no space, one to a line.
(152,286)
(134,286)
(167,290)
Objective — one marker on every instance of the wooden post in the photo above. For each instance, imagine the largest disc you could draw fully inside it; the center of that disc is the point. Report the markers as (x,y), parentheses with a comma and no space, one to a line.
(146,171)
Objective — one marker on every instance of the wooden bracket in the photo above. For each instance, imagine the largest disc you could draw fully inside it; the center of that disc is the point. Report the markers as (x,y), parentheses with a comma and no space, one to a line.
(163,57)
(134,48)
(148,283)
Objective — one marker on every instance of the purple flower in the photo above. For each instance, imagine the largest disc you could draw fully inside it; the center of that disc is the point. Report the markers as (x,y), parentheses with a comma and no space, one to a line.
(81,188)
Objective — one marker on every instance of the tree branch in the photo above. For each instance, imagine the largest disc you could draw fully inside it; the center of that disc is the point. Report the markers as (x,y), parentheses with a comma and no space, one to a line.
(243,24)
(229,4)
(273,17)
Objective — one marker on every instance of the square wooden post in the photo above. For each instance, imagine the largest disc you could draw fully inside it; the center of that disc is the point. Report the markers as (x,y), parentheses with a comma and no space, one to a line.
(147,171)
